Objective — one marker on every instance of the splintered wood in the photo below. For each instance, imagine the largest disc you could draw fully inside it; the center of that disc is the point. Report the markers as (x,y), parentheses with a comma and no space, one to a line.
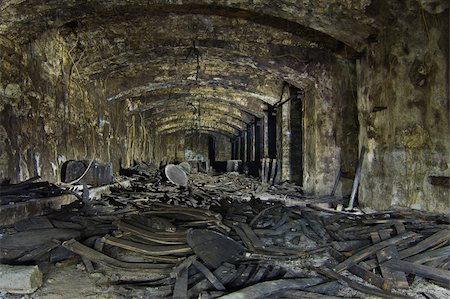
(232,236)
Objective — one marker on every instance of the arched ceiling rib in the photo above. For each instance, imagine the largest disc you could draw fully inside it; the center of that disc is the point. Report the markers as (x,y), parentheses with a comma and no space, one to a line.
(191,131)
(202,124)
(333,23)
(195,110)
(189,118)
(191,86)
(182,100)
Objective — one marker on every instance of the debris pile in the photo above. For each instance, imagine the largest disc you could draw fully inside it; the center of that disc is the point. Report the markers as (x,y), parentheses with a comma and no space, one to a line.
(218,237)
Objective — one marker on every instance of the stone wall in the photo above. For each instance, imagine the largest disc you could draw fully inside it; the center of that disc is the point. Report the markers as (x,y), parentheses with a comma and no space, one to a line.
(223,148)
(179,146)
(330,137)
(49,115)
(403,102)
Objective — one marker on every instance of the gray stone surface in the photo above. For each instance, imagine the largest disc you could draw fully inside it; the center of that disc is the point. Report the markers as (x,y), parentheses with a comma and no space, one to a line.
(20,279)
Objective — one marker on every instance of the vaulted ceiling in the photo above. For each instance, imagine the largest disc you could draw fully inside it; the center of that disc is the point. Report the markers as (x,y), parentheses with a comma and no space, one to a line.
(209,65)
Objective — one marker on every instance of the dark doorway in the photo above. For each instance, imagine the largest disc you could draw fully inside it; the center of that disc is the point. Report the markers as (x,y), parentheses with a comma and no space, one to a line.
(257,137)
(211,149)
(296,137)
(272,131)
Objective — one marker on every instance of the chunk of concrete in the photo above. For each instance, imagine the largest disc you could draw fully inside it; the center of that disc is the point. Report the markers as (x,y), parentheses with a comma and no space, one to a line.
(20,279)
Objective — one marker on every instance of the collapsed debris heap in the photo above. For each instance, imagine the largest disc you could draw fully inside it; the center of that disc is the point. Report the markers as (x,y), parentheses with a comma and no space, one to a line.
(226,236)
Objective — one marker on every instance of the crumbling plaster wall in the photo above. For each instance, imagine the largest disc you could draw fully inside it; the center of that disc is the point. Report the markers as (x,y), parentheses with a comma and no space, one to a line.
(48,114)
(403,103)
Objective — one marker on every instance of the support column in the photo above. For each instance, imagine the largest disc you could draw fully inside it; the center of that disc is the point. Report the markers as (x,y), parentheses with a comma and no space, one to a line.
(265,136)
(285,141)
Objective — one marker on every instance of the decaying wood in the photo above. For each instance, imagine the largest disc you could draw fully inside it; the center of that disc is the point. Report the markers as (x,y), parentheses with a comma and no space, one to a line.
(148,249)
(223,273)
(398,278)
(271,288)
(105,260)
(420,270)
(181,273)
(149,226)
(429,255)
(154,237)
(363,273)
(357,178)
(38,252)
(209,275)
(372,249)
(437,238)
(357,286)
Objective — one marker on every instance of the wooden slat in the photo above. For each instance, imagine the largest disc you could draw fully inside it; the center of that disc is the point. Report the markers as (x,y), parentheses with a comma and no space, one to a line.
(385,254)
(357,178)
(209,275)
(367,275)
(270,288)
(429,255)
(398,277)
(357,286)
(148,249)
(439,237)
(162,239)
(363,254)
(181,272)
(420,270)
(103,259)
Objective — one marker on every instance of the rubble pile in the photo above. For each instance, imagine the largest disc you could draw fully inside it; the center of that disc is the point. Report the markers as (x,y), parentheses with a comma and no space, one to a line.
(229,236)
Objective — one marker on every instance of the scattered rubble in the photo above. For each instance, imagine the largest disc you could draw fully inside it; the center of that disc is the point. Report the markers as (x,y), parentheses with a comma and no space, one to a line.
(231,236)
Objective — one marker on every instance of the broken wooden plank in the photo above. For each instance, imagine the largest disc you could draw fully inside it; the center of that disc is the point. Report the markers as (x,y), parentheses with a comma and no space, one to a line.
(363,273)
(306,295)
(437,238)
(420,270)
(350,245)
(33,223)
(158,238)
(429,255)
(256,242)
(10,214)
(32,239)
(398,277)
(209,275)
(148,249)
(361,255)
(240,281)
(258,275)
(357,179)
(35,254)
(181,273)
(357,286)
(224,274)
(103,259)
(271,288)
(327,288)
